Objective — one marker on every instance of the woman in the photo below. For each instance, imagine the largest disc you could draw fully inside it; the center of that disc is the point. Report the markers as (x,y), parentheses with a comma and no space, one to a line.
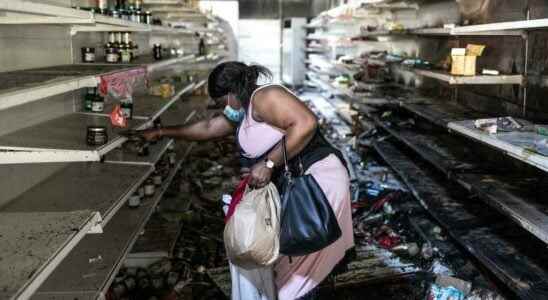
(260,116)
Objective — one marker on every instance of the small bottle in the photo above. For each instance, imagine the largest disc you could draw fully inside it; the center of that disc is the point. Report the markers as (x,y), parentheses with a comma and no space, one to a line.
(202,47)
(126,106)
(125,53)
(111,51)
(149,187)
(148,18)
(157,178)
(157,51)
(129,44)
(102,5)
(88,99)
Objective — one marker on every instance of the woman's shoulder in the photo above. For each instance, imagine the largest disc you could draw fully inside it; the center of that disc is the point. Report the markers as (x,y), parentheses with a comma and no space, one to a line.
(271,90)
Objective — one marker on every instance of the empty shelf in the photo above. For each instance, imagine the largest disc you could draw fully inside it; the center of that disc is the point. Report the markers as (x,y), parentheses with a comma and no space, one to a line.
(88,271)
(33,245)
(96,187)
(61,139)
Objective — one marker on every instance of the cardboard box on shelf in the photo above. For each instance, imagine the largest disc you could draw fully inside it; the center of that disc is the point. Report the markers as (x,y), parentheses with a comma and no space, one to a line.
(464,62)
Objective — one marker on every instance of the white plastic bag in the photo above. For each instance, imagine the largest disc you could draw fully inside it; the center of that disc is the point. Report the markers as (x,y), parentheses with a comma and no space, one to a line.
(251,235)
(256,284)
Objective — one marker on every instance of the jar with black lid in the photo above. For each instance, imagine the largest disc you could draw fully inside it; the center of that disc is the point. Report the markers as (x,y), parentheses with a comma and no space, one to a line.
(96,135)
(97,104)
(112,55)
(88,54)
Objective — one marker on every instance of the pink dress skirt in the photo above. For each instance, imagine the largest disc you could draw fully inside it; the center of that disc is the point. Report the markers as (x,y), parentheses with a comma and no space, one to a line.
(296,278)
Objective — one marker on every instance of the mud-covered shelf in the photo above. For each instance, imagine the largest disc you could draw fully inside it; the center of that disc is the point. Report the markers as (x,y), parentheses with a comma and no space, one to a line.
(471,80)
(90,268)
(96,187)
(504,142)
(61,139)
(34,244)
(122,156)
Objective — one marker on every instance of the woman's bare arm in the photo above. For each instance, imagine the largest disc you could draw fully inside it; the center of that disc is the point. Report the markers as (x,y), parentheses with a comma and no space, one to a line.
(204,130)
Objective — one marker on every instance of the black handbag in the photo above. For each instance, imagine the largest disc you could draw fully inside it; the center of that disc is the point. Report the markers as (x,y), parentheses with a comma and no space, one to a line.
(308,223)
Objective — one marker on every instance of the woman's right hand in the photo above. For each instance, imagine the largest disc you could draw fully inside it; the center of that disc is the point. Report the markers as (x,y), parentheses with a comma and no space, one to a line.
(151,135)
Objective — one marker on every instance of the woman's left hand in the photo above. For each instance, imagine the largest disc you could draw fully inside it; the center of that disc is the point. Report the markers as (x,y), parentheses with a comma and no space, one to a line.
(260,175)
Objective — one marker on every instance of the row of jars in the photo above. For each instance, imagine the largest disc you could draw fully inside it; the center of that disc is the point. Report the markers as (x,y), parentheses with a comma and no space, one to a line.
(155,181)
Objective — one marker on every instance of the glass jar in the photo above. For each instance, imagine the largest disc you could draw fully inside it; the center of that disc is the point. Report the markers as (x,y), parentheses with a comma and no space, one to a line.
(157,178)
(97,104)
(172,157)
(149,187)
(134,200)
(112,55)
(88,54)
(96,135)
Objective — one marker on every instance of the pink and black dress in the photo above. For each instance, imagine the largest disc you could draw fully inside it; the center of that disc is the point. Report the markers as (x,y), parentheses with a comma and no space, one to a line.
(297,277)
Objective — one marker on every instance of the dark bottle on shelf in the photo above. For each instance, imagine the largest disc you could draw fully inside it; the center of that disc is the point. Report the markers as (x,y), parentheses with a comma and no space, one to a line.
(88,99)
(102,6)
(157,51)
(148,18)
(129,44)
(111,54)
(127,108)
(120,4)
(202,47)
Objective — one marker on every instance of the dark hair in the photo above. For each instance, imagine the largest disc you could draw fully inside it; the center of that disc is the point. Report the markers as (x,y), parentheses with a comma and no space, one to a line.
(236,78)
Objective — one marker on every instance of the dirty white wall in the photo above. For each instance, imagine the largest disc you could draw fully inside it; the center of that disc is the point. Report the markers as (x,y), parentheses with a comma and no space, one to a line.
(259,43)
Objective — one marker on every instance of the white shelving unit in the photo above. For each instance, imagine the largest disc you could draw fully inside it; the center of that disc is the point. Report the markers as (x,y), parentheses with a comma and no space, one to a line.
(78,213)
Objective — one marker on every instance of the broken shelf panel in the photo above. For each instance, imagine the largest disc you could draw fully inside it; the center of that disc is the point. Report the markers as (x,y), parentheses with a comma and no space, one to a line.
(468,226)
(499,142)
(97,187)
(33,244)
(440,112)
(88,271)
(531,214)
(429,148)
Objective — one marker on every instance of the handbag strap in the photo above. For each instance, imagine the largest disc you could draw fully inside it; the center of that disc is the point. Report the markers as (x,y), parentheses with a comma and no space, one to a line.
(286,162)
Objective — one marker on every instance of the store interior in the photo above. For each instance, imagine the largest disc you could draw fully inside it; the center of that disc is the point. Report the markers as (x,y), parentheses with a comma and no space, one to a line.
(437,106)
